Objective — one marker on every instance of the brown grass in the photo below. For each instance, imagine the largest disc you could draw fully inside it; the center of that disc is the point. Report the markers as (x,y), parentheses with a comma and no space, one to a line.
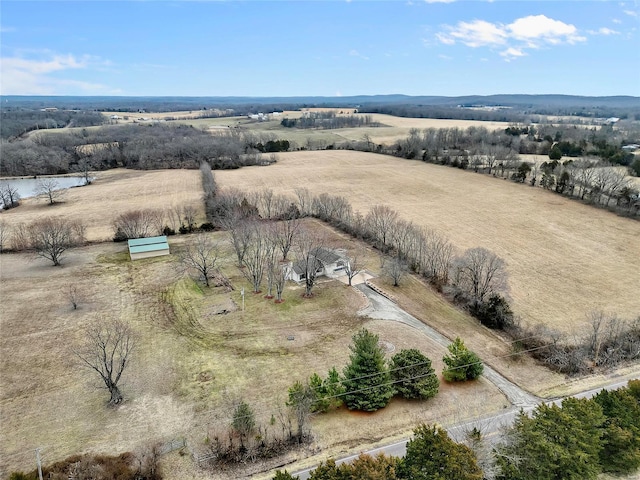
(113,193)
(564,258)
(191,362)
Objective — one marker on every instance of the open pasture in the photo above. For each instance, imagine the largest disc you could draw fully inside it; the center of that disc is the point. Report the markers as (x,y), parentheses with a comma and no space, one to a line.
(112,193)
(564,258)
(197,353)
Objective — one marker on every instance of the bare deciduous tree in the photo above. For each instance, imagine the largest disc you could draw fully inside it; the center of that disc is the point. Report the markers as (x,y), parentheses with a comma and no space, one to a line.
(308,246)
(9,196)
(240,232)
(280,274)
(256,256)
(138,224)
(353,267)
(285,234)
(395,269)
(51,237)
(201,255)
(305,201)
(107,351)
(49,190)
(480,273)
(381,221)
(74,296)
(438,255)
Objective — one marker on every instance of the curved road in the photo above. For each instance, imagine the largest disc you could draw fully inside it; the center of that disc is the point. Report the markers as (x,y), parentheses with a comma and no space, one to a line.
(382,308)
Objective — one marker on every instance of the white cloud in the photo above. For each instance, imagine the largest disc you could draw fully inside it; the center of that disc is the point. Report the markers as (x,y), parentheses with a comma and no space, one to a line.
(536,29)
(616,20)
(439,1)
(604,31)
(512,53)
(445,57)
(34,76)
(474,34)
(530,32)
(631,13)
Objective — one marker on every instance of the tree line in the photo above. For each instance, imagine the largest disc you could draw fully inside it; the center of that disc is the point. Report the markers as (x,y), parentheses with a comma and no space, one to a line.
(17,121)
(578,439)
(153,146)
(329,120)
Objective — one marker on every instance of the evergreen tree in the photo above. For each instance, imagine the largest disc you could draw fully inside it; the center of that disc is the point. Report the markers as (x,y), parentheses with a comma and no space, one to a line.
(366,378)
(327,391)
(461,363)
(556,442)
(432,455)
(621,435)
(413,376)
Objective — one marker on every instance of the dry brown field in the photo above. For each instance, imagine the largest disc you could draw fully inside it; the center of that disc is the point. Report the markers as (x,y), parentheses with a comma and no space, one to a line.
(191,362)
(564,258)
(112,193)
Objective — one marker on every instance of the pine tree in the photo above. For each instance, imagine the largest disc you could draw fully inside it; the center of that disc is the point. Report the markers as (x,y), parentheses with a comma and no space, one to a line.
(461,363)
(366,377)
(413,376)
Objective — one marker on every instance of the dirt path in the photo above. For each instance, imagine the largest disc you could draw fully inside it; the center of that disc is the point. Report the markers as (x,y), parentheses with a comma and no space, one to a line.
(382,308)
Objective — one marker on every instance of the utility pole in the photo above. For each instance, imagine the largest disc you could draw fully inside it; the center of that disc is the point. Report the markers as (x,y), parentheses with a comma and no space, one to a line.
(242,293)
(39,463)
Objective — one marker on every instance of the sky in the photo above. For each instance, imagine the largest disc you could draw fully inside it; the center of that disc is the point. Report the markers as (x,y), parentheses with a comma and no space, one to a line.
(319,48)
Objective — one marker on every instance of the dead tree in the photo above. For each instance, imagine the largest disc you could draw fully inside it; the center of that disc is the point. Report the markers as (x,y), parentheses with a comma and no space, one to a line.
(107,351)
(201,255)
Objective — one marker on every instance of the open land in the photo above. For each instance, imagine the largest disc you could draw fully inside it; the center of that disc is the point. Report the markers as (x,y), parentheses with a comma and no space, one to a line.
(564,258)
(198,352)
(112,193)
(194,360)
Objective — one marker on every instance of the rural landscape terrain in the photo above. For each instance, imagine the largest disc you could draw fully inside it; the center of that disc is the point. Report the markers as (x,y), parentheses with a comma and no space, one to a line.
(513,230)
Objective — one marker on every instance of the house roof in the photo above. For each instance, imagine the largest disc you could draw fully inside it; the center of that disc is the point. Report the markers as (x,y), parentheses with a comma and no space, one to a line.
(325,255)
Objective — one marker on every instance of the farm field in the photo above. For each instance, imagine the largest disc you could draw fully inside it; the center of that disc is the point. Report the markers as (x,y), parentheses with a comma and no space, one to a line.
(192,362)
(565,259)
(112,193)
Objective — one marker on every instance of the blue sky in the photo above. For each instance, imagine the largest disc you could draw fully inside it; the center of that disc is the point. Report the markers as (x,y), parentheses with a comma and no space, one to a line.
(328,48)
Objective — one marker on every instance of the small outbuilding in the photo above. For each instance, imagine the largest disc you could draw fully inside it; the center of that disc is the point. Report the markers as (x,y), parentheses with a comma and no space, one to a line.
(148,247)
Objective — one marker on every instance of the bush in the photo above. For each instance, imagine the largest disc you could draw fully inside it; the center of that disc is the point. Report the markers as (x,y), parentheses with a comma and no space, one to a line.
(494,313)
(461,363)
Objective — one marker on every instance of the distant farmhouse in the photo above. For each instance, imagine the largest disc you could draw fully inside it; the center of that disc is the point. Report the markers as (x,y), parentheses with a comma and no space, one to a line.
(148,247)
(328,263)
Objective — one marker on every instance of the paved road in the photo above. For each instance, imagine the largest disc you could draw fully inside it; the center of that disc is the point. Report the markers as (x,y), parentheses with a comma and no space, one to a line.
(382,308)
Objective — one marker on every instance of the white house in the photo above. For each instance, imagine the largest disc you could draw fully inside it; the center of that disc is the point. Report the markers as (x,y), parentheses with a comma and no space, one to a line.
(328,263)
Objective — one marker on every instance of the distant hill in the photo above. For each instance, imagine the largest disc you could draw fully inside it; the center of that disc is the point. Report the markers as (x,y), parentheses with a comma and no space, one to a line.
(176,103)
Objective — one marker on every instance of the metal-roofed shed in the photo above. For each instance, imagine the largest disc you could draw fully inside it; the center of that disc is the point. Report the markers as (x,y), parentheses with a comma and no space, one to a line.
(148,247)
